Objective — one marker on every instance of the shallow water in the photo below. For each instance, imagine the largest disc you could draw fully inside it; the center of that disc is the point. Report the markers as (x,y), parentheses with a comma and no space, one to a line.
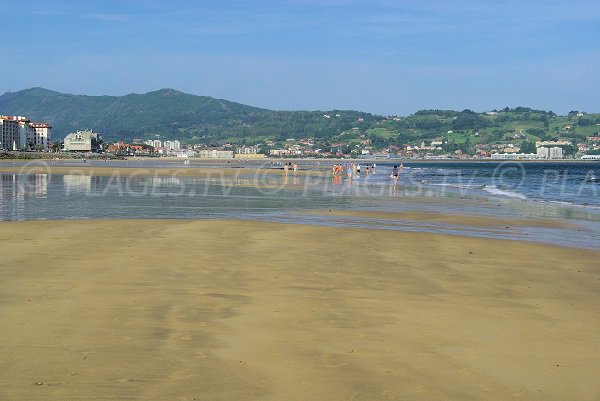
(269,197)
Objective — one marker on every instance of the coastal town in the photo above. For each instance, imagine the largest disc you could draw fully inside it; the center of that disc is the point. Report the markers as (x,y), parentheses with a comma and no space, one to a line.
(19,133)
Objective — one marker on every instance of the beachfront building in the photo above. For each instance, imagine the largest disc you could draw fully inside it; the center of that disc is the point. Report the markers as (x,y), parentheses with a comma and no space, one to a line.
(172,145)
(125,149)
(248,152)
(543,152)
(279,152)
(155,143)
(214,154)
(9,133)
(18,132)
(83,141)
(41,135)
(26,134)
(554,152)
(186,153)
(514,156)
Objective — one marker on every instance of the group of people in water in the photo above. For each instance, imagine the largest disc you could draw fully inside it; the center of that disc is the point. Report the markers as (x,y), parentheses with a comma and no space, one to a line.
(353,170)
(290,166)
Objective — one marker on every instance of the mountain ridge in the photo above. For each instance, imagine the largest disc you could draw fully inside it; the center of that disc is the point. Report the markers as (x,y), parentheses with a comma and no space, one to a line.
(167,112)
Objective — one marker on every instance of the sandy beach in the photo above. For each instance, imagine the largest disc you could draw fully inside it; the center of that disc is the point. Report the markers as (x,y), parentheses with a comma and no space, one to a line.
(232,310)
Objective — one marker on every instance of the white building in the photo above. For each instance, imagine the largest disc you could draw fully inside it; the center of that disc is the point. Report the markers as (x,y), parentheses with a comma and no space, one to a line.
(543,153)
(514,156)
(246,150)
(215,154)
(9,133)
(42,134)
(556,153)
(172,145)
(18,132)
(186,153)
(83,141)
(26,133)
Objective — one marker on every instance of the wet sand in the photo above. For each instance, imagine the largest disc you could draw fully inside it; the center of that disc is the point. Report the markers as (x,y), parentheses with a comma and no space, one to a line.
(230,310)
(445,218)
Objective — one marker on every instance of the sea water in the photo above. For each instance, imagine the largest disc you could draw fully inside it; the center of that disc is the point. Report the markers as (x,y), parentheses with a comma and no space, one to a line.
(512,190)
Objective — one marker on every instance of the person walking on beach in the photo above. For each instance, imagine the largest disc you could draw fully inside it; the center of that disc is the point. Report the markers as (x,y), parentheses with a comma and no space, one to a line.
(337,174)
(295,167)
(285,169)
(395,174)
(358,169)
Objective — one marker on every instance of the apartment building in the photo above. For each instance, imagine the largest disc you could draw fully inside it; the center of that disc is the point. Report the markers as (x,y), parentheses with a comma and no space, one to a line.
(18,132)
(41,135)
(10,137)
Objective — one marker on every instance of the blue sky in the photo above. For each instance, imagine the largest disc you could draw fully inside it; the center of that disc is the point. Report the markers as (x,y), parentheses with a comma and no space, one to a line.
(384,57)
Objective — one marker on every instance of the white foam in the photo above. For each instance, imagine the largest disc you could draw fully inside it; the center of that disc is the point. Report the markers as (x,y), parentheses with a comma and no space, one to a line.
(492,189)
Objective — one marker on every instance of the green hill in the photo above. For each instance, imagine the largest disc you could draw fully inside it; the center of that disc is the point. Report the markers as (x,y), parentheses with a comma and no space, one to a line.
(170,113)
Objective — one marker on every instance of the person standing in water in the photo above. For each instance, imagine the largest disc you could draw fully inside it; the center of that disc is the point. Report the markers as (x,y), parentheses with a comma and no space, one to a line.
(395,174)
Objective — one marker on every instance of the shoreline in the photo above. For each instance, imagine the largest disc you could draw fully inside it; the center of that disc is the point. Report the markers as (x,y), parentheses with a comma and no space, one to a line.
(226,309)
(180,171)
(302,159)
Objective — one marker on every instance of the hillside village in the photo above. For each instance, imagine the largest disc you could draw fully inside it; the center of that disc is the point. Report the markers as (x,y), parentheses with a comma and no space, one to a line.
(508,134)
